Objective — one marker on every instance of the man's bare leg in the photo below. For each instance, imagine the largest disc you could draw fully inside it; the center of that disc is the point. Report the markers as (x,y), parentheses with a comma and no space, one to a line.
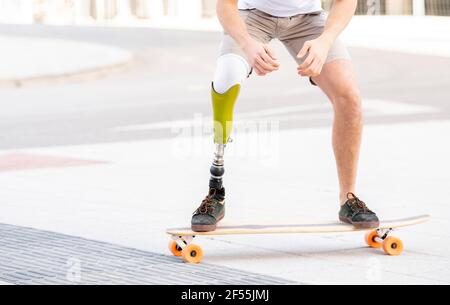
(338,82)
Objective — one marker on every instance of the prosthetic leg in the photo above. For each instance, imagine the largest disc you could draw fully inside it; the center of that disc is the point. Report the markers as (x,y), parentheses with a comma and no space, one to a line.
(231,71)
(223,107)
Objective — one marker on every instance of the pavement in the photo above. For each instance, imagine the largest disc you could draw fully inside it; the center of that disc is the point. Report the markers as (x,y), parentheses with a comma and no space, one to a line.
(413,35)
(93,172)
(27,60)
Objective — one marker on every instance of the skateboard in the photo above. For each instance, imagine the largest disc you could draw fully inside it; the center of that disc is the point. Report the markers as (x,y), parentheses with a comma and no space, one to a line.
(182,245)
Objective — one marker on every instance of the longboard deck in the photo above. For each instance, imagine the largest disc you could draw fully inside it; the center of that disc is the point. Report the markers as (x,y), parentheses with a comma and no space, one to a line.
(331,227)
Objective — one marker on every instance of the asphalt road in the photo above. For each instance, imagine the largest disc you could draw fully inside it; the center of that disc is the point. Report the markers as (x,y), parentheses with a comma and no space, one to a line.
(170,80)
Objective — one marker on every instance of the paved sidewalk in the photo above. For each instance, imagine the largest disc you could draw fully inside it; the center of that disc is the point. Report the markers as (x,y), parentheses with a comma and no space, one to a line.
(35,257)
(414,35)
(25,59)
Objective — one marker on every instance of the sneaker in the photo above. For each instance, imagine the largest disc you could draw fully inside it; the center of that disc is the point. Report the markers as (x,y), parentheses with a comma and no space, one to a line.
(356,213)
(210,212)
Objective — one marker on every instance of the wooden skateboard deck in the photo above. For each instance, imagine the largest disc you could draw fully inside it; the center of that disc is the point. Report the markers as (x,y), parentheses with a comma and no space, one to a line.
(181,244)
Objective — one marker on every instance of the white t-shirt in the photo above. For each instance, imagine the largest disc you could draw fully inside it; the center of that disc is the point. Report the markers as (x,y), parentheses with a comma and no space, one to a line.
(282,8)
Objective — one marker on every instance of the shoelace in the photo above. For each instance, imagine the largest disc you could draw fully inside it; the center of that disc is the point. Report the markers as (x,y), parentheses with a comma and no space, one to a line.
(206,207)
(356,204)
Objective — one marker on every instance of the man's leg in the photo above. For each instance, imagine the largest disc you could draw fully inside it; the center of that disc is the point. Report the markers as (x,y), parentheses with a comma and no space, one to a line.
(232,69)
(338,82)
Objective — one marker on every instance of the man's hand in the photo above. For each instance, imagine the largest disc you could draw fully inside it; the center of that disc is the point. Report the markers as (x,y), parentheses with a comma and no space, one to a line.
(340,15)
(261,57)
(317,51)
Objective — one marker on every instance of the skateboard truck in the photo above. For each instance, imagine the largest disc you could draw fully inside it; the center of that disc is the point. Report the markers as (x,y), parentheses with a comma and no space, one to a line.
(383,234)
(183,241)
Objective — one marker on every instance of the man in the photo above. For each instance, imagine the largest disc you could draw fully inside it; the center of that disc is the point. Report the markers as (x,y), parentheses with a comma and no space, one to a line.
(312,39)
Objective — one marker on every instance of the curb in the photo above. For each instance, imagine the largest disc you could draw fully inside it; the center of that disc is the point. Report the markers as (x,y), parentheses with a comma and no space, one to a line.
(76,76)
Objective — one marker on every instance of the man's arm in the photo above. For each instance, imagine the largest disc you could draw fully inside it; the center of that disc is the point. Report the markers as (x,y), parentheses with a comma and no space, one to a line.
(260,56)
(317,49)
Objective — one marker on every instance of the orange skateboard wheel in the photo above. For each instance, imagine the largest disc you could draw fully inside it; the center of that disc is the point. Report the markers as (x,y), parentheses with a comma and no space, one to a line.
(174,248)
(192,254)
(370,240)
(393,246)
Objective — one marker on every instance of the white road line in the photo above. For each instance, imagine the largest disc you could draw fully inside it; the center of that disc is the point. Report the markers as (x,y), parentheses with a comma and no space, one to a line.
(372,107)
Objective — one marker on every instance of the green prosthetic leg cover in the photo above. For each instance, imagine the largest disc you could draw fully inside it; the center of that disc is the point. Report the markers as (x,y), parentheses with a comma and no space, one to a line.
(223,107)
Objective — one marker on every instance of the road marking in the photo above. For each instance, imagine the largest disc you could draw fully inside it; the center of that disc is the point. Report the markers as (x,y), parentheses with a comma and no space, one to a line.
(21,161)
(316,111)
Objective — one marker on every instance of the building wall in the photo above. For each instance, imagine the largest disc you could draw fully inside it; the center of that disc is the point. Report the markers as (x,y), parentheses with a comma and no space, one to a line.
(437,7)
(399,7)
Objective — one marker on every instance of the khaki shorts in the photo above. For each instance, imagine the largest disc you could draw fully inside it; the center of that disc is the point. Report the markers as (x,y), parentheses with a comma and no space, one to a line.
(293,32)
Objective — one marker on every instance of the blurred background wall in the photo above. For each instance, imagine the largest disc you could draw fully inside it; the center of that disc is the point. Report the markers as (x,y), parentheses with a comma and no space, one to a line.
(109,11)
